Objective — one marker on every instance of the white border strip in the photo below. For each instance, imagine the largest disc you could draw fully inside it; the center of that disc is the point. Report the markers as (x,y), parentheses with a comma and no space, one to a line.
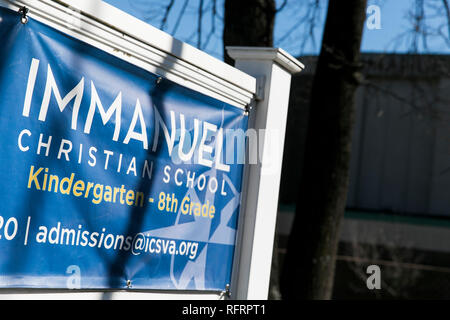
(35,294)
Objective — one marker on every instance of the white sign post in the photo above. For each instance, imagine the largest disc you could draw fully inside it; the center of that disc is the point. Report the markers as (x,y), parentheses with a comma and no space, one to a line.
(273,69)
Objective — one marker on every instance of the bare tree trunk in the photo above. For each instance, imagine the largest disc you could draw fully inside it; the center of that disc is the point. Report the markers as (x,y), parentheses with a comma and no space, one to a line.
(248,23)
(308,271)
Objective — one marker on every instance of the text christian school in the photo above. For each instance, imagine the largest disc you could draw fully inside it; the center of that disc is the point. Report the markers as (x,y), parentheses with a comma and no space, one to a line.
(40,178)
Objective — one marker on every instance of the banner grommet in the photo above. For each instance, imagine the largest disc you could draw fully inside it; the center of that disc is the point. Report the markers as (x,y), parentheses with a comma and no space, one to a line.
(24,18)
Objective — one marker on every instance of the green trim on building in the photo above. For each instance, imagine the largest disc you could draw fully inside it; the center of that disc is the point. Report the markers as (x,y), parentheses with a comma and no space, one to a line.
(396,218)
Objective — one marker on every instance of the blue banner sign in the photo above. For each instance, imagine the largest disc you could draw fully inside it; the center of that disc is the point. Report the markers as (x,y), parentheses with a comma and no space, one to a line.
(110,176)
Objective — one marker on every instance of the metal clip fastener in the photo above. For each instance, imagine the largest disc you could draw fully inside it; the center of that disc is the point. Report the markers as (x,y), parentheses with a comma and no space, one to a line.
(226,293)
(246,110)
(158,80)
(128,284)
(249,107)
(23,11)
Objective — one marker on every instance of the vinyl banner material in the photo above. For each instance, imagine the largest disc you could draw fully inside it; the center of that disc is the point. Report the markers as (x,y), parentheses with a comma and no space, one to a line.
(110,176)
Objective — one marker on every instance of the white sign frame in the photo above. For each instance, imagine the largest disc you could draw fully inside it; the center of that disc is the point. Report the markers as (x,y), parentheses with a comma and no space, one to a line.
(124,36)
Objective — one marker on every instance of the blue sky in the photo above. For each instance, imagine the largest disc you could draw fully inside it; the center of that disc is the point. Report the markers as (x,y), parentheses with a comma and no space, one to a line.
(393,36)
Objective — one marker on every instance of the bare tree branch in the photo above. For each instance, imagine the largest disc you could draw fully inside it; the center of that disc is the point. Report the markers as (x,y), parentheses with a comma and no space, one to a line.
(427,23)
(447,12)
(166,14)
(306,24)
(281,6)
(213,23)
(419,26)
(199,25)
(180,16)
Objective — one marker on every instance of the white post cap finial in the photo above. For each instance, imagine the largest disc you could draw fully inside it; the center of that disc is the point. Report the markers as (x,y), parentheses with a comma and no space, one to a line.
(277,55)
